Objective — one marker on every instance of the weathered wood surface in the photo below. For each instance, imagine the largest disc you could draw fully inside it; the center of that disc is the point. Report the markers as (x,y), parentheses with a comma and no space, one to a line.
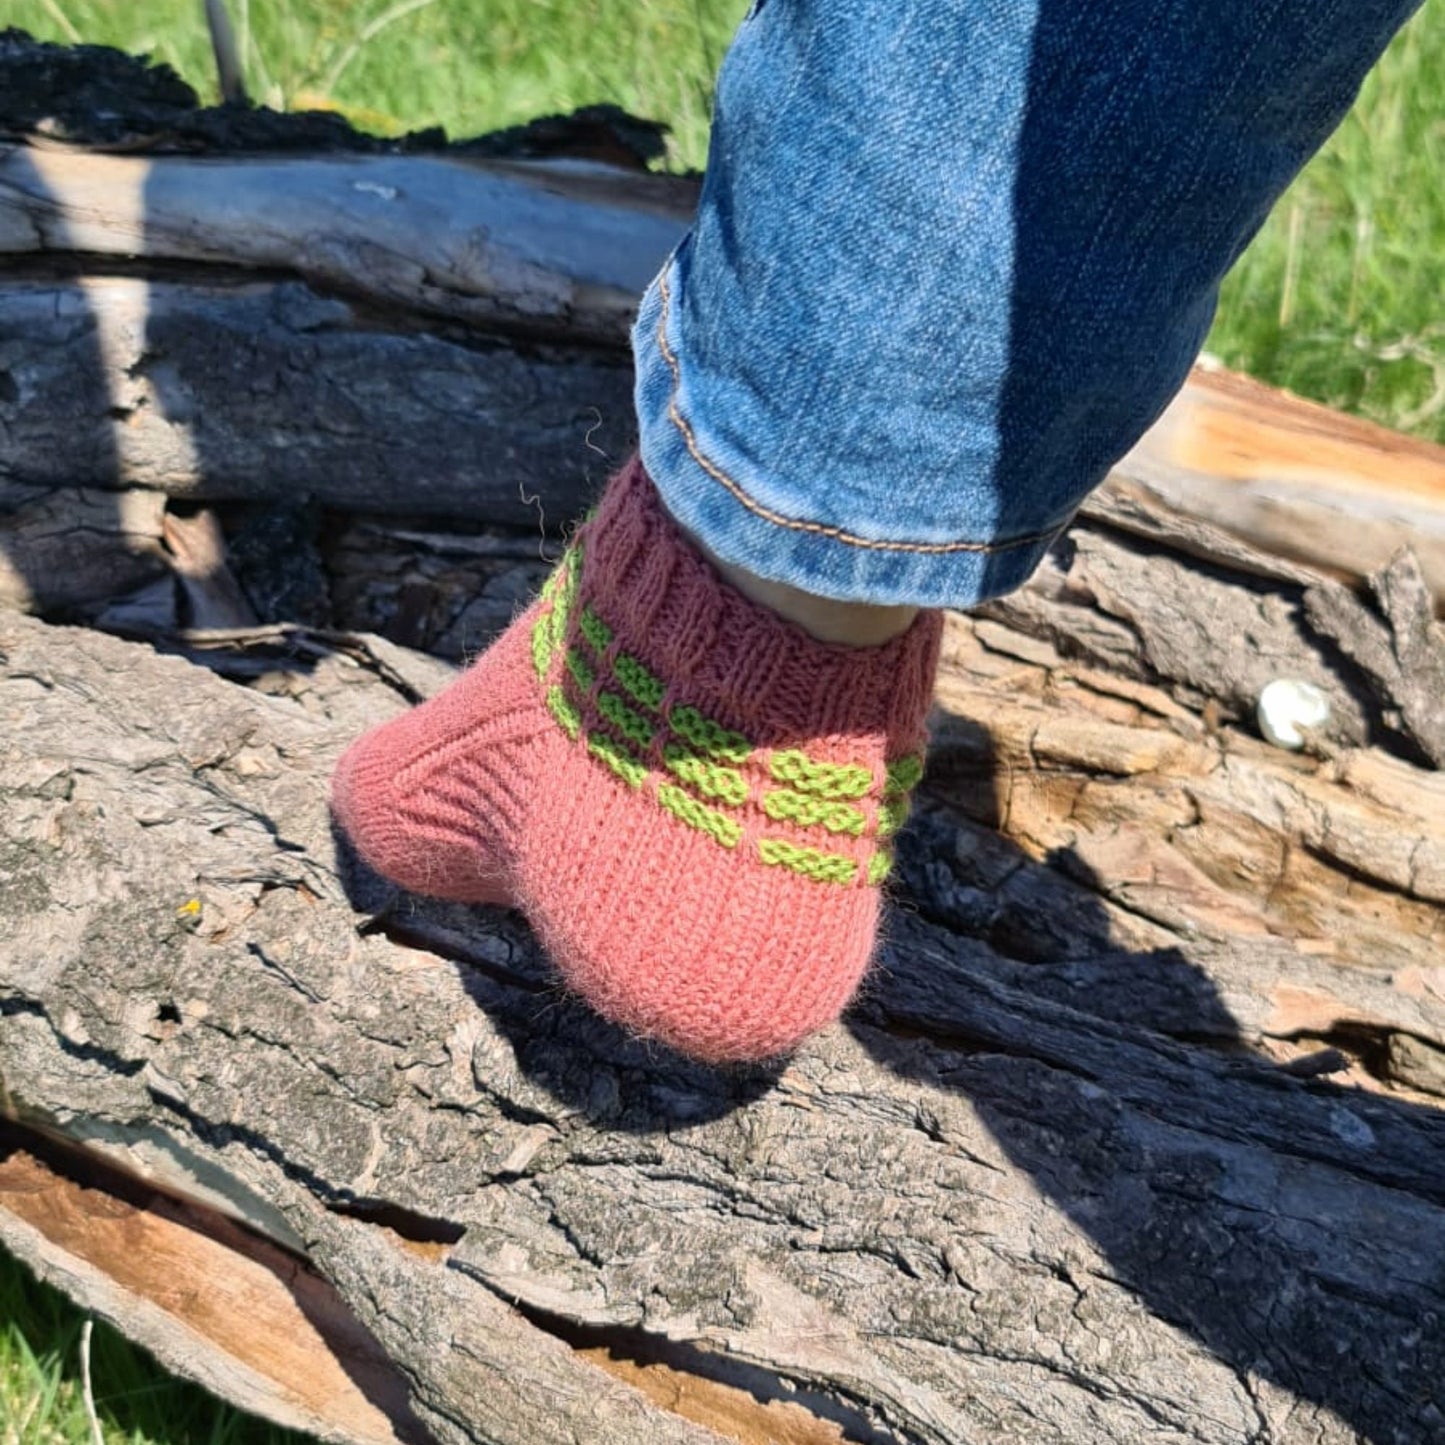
(1297,479)
(253,1322)
(269,392)
(535,245)
(1135,1133)
(1004,1202)
(210,1299)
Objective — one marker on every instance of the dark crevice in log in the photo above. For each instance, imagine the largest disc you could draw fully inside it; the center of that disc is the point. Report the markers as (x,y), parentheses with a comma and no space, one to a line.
(960,1041)
(88,1169)
(1369,1046)
(407,1223)
(91,1053)
(454,946)
(53,267)
(857,1424)
(219,1135)
(1318,1064)
(535,340)
(1391,1055)
(1351,872)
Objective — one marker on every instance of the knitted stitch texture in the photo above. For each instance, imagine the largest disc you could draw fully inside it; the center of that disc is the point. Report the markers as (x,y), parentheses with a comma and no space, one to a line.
(690,798)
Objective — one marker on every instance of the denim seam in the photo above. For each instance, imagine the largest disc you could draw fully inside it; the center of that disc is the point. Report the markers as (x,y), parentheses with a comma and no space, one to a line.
(835,534)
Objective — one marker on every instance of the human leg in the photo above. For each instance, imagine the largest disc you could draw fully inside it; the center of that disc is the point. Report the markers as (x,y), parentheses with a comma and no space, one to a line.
(886,388)
(953,257)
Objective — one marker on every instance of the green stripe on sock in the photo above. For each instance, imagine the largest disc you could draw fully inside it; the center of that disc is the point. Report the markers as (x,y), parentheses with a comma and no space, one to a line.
(638,681)
(812,863)
(568,718)
(595,630)
(892,815)
(631,725)
(701,754)
(712,780)
(542,648)
(904,774)
(827,780)
(698,815)
(784,805)
(559,591)
(581,673)
(709,737)
(630,769)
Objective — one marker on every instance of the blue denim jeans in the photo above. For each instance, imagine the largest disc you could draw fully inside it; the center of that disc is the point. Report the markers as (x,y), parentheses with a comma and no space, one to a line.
(953,257)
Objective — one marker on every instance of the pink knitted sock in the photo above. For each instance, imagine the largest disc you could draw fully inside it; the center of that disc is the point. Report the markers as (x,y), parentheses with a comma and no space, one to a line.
(689,797)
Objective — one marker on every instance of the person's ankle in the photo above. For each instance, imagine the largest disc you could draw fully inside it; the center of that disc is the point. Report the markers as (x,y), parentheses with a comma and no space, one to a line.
(850,624)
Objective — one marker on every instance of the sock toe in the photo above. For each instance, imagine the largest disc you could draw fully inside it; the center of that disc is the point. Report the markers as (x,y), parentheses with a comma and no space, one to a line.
(432,850)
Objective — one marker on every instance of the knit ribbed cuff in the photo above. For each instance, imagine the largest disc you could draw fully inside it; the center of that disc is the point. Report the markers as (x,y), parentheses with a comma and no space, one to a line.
(733,658)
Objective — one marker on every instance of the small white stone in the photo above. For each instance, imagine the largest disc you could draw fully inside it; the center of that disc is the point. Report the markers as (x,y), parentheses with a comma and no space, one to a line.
(1285,706)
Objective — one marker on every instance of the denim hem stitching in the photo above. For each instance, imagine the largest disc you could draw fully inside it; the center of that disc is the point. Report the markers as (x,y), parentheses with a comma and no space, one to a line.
(834,534)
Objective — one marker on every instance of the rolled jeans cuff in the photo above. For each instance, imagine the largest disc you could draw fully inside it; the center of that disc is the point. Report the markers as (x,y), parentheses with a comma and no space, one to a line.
(733,506)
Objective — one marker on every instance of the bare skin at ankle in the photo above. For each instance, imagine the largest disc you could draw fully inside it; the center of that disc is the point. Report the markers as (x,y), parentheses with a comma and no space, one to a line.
(852,624)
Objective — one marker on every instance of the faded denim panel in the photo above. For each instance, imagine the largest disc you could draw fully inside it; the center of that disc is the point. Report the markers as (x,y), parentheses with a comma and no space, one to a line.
(953,257)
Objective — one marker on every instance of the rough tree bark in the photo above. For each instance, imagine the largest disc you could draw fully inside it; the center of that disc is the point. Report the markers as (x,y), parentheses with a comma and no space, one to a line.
(1136,1132)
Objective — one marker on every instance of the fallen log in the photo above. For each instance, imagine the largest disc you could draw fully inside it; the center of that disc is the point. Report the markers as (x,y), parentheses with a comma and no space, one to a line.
(938,1221)
(550,250)
(1135,1133)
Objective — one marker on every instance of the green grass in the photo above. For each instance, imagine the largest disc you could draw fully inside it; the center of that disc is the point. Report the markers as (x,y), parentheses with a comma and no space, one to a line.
(1339,298)
(1342,295)
(136,1402)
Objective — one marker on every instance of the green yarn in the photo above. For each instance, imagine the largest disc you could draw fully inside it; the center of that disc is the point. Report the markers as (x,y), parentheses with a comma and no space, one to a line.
(827,780)
(712,780)
(697,815)
(892,815)
(631,770)
(709,737)
(595,630)
(633,727)
(701,753)
(577,666)
(639,682)
(904,774)
(559,592)
(568,718)
(807,812)
(554,579)
(810,862)
(542,647)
